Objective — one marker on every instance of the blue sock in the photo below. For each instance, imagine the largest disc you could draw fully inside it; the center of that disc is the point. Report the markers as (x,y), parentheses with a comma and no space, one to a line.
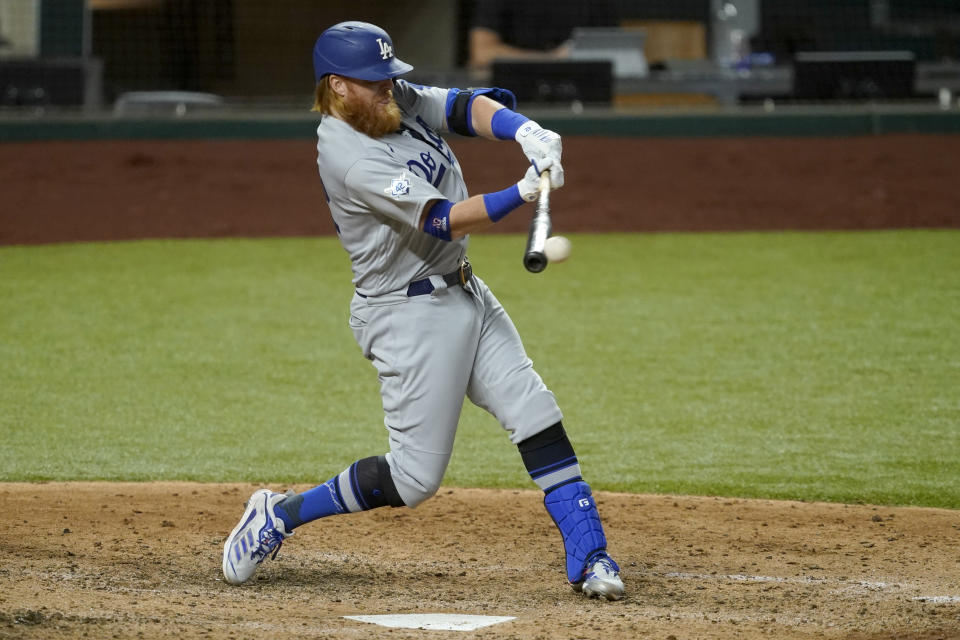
(365,484)
(319,502)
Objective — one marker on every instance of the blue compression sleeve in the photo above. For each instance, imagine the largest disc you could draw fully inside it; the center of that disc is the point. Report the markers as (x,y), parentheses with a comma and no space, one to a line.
(500,203)
(437,220)
(505,124)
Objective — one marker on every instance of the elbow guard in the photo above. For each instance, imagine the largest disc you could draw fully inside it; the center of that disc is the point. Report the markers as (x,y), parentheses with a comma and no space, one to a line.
(460,101)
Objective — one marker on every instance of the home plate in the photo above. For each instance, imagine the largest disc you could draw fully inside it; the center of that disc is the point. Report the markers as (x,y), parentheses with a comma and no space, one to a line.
(437,621)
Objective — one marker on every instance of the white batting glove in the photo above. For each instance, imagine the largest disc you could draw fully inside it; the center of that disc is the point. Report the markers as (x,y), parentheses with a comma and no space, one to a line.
(538,144)
(529,186)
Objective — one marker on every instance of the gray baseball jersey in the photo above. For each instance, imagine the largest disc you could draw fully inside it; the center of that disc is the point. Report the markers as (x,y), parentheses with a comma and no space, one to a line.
(430,350)
(377,190)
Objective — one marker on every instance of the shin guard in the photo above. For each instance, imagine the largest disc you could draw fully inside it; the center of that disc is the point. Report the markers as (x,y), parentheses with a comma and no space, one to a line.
(575,513)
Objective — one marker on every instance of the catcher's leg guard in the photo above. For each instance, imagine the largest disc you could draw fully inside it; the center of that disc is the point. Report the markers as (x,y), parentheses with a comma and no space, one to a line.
(575,513)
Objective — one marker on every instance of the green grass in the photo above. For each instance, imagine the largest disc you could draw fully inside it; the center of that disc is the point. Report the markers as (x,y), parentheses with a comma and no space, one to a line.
(810,366)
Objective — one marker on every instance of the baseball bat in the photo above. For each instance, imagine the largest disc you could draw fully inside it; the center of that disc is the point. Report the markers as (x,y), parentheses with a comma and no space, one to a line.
(534,259)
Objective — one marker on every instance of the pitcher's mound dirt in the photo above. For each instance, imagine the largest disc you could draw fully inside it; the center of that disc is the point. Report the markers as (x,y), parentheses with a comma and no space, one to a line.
(105,560)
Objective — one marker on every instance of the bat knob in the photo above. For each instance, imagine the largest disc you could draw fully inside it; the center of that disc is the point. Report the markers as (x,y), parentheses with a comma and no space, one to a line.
(535,261)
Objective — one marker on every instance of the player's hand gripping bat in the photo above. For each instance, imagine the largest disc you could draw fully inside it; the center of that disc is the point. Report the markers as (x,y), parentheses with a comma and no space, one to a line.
(534,259)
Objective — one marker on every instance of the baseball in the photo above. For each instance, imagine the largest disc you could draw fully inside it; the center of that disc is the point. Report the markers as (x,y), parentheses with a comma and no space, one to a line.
(556,248)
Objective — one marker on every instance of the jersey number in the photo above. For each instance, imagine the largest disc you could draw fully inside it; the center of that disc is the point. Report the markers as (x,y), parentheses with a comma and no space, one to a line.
(428,169)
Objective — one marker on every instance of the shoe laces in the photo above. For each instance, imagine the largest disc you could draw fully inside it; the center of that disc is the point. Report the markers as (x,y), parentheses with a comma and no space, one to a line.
(607,565)
(271,540)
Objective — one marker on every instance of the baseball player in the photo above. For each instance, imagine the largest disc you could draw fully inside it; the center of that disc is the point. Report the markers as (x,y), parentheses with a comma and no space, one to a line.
(431,327)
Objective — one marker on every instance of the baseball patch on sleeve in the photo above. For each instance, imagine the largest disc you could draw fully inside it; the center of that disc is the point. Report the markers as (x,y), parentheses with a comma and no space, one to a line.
(398,186)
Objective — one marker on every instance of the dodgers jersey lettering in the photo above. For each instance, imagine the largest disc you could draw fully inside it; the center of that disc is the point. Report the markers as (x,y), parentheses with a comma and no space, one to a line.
(377,190)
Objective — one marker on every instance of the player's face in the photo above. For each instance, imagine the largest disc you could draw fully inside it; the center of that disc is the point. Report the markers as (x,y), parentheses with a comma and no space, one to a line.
(375,92)
(369,107)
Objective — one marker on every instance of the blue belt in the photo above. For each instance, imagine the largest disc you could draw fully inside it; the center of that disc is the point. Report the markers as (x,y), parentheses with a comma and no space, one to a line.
(422,287)
(459,277)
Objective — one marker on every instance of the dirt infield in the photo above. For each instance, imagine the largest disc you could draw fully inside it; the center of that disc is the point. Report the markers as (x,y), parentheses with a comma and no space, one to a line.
(143,561)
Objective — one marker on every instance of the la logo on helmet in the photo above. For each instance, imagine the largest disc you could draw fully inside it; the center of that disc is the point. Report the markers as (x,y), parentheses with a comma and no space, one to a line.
(386,50)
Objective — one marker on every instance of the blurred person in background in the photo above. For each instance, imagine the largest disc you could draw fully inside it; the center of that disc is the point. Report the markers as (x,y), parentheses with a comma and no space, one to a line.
(535,30)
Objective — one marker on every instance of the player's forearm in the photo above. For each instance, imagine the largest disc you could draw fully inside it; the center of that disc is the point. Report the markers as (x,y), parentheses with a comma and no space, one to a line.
(481,116)
(448,221)
(493,121)
(479,212)
(468,216)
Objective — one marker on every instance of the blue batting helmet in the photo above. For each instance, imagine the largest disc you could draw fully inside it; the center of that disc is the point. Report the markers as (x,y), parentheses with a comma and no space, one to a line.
(356,50)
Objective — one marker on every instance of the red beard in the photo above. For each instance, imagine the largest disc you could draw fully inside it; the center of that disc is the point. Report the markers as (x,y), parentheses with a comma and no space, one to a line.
(372,118)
